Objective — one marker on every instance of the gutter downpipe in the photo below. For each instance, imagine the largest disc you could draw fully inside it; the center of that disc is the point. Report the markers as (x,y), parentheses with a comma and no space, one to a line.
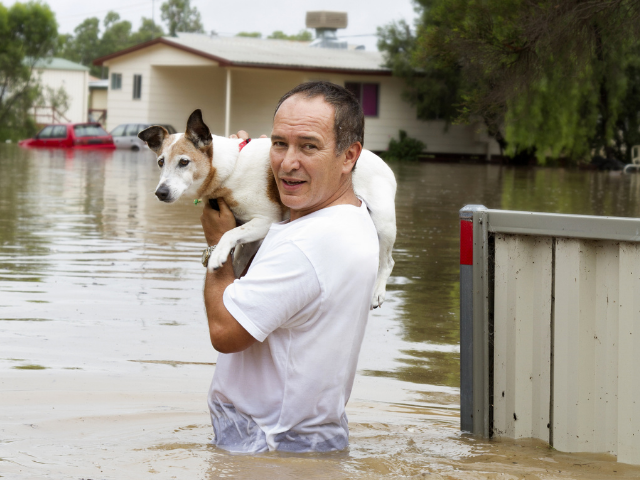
(227,105)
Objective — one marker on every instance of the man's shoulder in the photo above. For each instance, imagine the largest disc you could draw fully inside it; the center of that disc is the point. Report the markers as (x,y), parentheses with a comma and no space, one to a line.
(343,228)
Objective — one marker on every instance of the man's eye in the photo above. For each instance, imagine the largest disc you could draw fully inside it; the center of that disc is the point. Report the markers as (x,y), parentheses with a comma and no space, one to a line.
(184,163)
(308,146)
(161,162)
(278,144)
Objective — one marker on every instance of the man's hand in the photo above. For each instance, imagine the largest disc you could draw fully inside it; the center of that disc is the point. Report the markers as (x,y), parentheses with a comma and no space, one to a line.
(214,223)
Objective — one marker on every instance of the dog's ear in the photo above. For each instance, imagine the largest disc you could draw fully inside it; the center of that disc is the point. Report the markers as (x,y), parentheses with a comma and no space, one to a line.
(197,132)
(154,136)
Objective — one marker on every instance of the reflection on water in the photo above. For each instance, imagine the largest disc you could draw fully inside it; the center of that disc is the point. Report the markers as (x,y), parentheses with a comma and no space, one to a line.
(97,278)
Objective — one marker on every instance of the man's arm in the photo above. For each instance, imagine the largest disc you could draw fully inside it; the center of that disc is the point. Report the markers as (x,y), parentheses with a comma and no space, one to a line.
(227,335)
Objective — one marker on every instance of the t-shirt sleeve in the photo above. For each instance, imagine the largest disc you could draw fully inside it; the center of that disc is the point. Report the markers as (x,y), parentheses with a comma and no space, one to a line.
(276,287)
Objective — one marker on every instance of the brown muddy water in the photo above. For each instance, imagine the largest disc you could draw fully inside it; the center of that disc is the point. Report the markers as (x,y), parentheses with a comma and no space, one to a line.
(104,353)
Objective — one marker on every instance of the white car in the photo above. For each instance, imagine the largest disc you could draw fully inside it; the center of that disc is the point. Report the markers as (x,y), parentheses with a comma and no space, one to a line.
(126,135)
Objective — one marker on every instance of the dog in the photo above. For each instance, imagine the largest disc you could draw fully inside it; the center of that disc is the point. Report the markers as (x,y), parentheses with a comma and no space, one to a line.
(210,167)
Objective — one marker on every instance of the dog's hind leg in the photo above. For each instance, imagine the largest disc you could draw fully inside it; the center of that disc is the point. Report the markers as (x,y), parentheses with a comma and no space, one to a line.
(385,223)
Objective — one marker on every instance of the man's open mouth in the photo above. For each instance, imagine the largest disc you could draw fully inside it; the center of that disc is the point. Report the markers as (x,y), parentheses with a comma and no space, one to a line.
(292,183)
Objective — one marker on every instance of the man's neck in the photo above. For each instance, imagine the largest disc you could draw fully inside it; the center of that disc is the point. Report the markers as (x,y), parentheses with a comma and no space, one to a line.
(343,196)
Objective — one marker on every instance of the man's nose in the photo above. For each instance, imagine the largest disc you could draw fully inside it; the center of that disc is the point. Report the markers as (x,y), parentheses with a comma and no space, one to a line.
(290,161)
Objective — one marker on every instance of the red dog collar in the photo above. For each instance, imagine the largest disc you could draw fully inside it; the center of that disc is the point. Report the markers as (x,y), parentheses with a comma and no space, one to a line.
(243,144)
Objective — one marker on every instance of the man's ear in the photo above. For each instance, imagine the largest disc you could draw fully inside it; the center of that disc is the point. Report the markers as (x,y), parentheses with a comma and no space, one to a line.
(351,157)
(197,132)
(154,136)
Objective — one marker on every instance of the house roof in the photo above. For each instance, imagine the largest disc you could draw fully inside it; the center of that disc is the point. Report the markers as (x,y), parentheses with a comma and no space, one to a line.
(97,83)
(268,53)
(56,63)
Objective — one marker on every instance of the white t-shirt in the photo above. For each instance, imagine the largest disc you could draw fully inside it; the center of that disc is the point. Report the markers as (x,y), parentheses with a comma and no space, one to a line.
(306,300)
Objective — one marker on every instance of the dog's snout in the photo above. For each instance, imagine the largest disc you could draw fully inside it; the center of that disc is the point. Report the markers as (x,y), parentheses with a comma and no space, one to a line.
(162,193)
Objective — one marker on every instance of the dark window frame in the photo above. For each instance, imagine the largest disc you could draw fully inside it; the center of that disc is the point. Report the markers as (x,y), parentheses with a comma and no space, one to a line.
(116,81)
(357,88)
(137,86)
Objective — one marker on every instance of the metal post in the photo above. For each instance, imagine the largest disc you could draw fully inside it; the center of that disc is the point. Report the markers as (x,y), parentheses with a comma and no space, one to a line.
(227,107)
(473,362)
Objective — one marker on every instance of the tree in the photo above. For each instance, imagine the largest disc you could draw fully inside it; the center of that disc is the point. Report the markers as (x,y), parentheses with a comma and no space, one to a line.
(148,31)
(301,36)
(249,34)
(28,33)
(546,77)
(181,17)
(90,43)
(116,35)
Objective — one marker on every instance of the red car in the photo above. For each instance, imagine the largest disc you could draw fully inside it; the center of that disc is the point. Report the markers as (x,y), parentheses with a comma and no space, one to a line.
(71,135)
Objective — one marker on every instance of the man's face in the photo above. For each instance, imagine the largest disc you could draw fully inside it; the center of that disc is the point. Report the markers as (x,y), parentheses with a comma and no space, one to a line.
(308,172)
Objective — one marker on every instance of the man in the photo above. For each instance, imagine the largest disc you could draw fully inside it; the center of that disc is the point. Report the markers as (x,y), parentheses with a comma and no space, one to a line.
(290,330)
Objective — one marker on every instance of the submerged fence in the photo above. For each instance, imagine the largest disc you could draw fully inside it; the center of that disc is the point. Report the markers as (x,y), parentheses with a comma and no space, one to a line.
(550,329)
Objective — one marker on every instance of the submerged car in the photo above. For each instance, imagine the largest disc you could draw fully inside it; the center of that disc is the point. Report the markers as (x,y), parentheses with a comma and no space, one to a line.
(126,135)
(71,135)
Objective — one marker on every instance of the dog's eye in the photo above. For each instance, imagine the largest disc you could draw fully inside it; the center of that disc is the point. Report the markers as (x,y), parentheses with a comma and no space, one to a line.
(161,162)
(184,162)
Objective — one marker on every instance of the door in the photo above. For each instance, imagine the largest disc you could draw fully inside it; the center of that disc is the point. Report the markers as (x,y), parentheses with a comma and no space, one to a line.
(58,137)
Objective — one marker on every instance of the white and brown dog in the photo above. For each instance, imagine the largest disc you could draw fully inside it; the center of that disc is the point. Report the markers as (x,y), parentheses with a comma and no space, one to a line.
(205,166)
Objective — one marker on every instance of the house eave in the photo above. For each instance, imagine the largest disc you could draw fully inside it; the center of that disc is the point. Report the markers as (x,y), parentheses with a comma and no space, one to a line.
(223,62)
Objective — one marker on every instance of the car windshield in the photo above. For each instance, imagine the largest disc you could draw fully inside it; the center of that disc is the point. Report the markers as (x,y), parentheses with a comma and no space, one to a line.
(132,130)
(118,131)
(89,130)
(45,132)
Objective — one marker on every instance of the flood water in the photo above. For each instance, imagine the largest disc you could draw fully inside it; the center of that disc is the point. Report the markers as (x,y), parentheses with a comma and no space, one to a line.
(105,360)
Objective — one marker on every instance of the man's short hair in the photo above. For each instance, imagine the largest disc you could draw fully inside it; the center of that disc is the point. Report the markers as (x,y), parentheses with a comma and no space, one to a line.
(348,120)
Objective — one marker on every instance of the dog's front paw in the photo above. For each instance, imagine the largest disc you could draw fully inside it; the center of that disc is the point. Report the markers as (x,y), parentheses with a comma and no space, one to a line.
(218,258)
(378,298)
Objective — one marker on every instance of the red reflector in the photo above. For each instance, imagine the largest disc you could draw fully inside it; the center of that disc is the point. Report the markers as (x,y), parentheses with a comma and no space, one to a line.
(466,242)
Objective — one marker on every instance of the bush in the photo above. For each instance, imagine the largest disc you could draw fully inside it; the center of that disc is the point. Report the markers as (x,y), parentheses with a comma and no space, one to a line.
(405,149)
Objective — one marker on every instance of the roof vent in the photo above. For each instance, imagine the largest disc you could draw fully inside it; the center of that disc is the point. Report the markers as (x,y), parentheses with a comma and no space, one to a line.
(326,24)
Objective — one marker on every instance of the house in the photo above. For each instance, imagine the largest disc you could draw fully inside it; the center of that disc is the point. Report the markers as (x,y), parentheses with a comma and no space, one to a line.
(55,73)
(237,82)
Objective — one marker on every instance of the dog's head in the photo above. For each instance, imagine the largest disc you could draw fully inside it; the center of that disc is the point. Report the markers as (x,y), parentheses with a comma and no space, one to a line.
(184,158)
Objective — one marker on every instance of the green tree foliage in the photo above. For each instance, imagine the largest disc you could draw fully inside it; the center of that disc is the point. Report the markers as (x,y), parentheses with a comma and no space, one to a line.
(180,16)
(249,34)
(89,42)
(301,36)
(28,33)
(552,78)
(148,31)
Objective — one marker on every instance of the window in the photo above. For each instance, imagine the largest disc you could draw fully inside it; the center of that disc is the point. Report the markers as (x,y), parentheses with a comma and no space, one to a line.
(89,130)
(116,81)
(45,132)
(132,130)
(59,131)
(118,131)
(137,87)
(367,94)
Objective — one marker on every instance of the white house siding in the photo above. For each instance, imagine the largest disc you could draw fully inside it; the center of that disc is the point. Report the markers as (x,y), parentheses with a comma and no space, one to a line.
(178,91)
(123,108)
(254,96)
(76,84)
(395,114)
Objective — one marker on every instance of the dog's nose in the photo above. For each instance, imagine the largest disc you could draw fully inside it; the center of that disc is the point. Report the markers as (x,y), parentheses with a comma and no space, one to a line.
(162,193)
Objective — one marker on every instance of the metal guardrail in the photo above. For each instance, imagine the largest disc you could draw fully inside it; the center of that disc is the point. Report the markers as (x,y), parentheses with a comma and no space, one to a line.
(531,285)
